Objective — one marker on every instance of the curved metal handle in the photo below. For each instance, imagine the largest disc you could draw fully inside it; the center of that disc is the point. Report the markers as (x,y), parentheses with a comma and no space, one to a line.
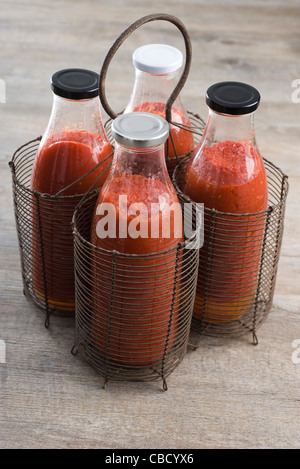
(119,41)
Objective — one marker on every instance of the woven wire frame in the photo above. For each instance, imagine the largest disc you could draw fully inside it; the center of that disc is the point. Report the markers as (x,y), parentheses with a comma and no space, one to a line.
(133,312)
(238,262)
(45,238)
(196,127)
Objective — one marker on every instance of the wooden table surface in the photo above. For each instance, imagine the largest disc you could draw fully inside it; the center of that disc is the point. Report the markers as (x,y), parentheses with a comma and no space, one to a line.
(228,393)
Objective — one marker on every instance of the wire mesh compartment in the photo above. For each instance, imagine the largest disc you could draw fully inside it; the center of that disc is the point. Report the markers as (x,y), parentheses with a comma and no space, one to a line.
(45,238)
(238,262)
(133,312)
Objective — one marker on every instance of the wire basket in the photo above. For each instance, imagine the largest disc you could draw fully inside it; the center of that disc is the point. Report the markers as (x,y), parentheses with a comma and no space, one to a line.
(44,221)
(196,124)
(238,262)
(45,238)
(133,312)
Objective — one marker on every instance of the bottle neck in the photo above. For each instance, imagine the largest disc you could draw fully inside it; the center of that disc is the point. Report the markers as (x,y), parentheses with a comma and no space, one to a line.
(153,88)
(147,162)
(221,127)
(68,114)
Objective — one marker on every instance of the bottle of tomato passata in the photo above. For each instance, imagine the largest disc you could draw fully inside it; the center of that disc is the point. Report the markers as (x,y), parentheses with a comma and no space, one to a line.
(157,69)
(73,144)
(137,214)
(226,173)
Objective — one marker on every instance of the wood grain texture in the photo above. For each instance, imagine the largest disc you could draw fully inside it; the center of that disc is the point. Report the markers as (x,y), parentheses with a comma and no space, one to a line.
(228,393)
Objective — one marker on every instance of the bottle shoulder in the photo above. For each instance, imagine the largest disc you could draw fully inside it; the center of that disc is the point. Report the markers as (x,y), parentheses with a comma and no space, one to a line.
(228,176)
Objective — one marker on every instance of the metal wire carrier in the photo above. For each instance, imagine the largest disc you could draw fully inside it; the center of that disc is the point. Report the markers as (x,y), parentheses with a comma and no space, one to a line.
(238,262)
(133,312)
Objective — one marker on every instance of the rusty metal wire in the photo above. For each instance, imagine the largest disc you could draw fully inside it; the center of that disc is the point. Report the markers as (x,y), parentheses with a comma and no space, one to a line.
(133,312)
(196,123)
(45,238)
(238,262)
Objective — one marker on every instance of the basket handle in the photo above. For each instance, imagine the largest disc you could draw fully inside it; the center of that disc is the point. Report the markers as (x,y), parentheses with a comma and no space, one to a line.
(124,35)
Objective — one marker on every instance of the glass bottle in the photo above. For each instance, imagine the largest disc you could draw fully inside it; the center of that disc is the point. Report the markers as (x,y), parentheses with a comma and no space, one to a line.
(157,69)
(139,195)
(226,173)
(72,145)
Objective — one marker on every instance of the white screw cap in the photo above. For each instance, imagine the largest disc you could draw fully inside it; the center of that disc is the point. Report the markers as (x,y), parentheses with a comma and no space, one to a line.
(157,59)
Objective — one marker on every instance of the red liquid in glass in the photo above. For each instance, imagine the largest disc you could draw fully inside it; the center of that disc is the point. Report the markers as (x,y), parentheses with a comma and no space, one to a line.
(183,140)
(63,159)
(137,327)
(224,179)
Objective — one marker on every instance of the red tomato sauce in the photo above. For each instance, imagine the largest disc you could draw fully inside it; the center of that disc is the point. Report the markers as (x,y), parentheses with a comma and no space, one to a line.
(183,139)
(64,158)
(224,179)
(140,330)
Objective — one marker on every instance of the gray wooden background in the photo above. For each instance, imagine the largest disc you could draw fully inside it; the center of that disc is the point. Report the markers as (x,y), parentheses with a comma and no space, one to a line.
(227,394)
